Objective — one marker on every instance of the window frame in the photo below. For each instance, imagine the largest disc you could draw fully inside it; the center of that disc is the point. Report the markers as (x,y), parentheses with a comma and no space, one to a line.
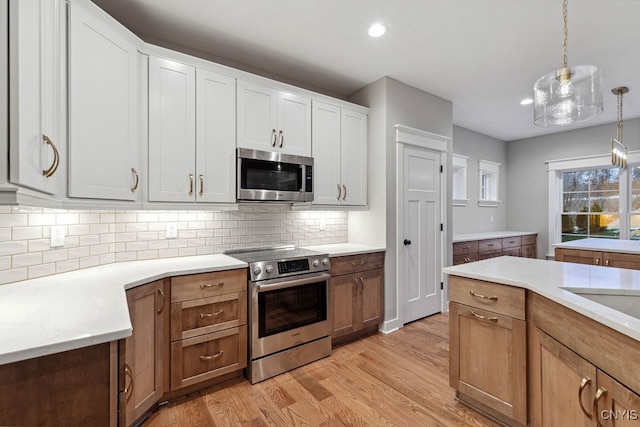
(459,180)
(489,179)
(555,168)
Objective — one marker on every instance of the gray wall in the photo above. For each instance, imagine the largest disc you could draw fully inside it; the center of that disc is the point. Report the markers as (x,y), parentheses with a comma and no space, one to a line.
(473,218)
(527,192)
(392,102)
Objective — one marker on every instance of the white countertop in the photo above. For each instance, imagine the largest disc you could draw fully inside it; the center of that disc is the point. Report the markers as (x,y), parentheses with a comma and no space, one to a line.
(550,279)
(343,249)
(610,245)
(85,307)
(489,235)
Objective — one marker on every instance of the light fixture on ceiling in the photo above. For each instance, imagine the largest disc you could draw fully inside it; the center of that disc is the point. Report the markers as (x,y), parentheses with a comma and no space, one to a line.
(618,149)
(568,95)
(377,30)
(526,101)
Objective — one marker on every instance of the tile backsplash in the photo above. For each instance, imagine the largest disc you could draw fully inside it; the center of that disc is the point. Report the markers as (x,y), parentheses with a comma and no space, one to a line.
(102,237)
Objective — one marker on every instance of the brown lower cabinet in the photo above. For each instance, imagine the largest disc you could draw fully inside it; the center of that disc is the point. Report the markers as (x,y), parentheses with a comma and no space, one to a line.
(356,289)
(474,250)
(607,259)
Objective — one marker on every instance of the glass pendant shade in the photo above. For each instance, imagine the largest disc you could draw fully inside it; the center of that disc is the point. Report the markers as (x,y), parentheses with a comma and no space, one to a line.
(567,96)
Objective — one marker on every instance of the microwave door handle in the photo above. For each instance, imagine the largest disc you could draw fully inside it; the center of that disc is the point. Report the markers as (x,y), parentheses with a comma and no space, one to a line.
(288,283)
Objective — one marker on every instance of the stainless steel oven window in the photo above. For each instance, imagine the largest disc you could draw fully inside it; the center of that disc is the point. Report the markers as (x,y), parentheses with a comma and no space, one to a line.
(289,308)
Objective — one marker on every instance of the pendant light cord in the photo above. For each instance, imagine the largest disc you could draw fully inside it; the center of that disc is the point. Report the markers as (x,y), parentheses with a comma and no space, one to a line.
(565,14)
(619,129)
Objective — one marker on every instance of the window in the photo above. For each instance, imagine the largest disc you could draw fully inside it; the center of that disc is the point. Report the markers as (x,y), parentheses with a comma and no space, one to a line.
(488,179)
(591,204)
(588,197)
(459,180)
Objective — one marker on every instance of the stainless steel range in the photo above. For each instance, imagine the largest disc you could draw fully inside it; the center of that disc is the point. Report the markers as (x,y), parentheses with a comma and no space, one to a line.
(289,323)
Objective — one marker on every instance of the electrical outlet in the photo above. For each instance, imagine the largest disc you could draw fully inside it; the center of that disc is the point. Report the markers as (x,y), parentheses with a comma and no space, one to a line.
(172,230)
(57,236)
(491,219)
(323,223)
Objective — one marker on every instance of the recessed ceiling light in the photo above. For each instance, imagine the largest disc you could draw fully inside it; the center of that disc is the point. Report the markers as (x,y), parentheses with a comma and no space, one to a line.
(526,101)
(377,30)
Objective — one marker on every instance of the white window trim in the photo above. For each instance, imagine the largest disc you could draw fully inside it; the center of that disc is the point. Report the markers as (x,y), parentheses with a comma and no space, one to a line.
(459,162)
(554,172)
(494,168)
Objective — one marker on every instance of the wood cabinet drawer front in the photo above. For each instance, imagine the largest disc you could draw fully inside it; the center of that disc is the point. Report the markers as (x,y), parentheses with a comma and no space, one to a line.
(501,299)
(198,317)
(490,254)
(529,239)
(461,259)
(184,288)
(461,248)
(489,245)
(355,263)
(511,242)
(207,356)
(511,251)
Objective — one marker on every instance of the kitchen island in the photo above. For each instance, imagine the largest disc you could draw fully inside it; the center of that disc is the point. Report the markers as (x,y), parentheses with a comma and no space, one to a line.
(524,330)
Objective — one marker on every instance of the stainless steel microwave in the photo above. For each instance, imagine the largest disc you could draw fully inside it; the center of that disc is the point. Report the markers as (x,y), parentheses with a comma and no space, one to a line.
(273,177)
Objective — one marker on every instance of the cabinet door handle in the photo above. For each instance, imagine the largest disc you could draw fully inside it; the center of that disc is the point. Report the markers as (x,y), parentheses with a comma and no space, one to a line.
(274,137)
(345,192)
(477,316)
(135,174)
(190,184)
(597,261)
(281,134)
(355,288)
(211,285)
(201,185)
(585,381)
(209,358)
(217,313)
(339,192)
(490,297)
(128,390)
(361,285)
(161,305)
(48,173)
(601,392)
(606,262)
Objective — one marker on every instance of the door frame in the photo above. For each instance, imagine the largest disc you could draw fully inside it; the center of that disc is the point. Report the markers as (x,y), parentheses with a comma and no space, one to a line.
(416,138)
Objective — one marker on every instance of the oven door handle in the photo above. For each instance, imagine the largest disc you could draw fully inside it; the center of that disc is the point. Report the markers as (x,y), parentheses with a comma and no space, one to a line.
(288,283)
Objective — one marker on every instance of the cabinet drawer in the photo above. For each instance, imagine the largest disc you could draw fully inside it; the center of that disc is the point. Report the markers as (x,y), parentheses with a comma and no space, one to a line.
(489,245)
(184,288)
(356,263)
(490,254)
(461,248)
(461,259)
(528,251)
(511,251)
(501,299)
(511,242)
(201,316)
(529,239)
(208,356)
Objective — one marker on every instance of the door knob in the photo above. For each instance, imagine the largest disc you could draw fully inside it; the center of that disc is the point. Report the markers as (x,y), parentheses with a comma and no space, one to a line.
(407,242)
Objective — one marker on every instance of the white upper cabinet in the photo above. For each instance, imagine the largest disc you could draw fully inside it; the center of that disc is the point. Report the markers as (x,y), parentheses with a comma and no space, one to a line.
(191,134)
(273,120)
(340,155)
(37,148)
(104,109)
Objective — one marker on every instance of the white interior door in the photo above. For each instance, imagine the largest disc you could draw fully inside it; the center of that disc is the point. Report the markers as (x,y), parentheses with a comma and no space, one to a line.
(420,246)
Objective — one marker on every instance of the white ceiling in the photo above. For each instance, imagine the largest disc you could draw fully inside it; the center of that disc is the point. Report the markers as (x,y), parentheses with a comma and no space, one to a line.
(483,55)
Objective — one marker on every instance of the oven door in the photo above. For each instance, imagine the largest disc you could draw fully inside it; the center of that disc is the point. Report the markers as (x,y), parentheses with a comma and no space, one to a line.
(287,312)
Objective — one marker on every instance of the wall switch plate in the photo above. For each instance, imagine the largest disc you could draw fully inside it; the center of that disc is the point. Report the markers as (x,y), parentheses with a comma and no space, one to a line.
(57,236)
(172,230)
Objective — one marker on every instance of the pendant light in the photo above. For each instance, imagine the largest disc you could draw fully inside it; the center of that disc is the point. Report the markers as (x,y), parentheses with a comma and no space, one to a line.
(618,149)
(568,95)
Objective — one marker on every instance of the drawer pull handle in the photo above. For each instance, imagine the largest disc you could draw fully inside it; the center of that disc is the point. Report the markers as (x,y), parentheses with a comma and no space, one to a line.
(354,263)
(512,241)
(606,262)
(211,285)
(217,313)
(466,247)
(597,261)
(209,358)
(477,316)
(601,392)
(490,244)
(585,381)
(490,297)
(128,390)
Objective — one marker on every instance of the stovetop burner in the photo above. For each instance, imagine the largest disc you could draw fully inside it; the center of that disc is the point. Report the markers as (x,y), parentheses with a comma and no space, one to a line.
(281,261)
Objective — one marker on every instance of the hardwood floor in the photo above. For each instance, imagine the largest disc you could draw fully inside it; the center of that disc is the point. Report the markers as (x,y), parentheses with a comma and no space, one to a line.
(400,379)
